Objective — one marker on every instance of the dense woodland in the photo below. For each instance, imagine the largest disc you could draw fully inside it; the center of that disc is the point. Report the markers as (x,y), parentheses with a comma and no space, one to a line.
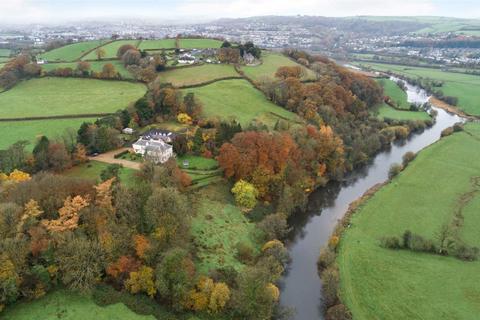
(61,231)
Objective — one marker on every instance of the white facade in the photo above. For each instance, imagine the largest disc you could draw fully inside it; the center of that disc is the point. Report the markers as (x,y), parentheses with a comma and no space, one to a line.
(154,150)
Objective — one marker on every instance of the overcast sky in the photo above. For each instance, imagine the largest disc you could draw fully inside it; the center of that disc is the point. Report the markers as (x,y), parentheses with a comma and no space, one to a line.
(57,11)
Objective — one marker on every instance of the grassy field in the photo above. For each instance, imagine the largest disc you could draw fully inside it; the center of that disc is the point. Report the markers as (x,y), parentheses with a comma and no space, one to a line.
(396,94)
(71,52)
(463,86)
(218,227)
(378,283)
(67,96)
(14,131)
(157,44)
(4,59)
(5,52)
(92,170)
(94,65)
(200,43)
(197,75)
(385,111)
(270,64)
(199,163)
(239,100)
(110,49)
(65,305)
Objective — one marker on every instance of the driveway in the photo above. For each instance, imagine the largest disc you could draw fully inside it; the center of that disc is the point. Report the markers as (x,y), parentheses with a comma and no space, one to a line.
(109,157)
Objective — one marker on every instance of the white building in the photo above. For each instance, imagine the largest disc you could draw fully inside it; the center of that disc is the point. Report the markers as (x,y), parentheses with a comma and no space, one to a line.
(155,150)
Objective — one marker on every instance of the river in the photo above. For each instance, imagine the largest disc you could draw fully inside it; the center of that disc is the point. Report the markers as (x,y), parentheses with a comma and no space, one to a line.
(301,287)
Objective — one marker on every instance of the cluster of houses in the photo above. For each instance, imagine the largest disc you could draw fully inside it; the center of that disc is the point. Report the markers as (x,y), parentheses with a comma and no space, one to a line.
(197,55)
(155,145)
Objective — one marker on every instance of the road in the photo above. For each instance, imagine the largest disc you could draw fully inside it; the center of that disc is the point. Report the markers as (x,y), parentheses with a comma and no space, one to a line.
(109,157)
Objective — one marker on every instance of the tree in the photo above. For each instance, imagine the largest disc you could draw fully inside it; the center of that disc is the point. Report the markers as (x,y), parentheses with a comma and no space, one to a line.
(274,226)
(141,281)
(41,154)
(111,171)
(123,49)
(245,194)
(83,67)
(226,44)
(109,71)
(58,157)
(81,263)
(219,297)
(100,53)
(290,72)
(68,215)
(80,154)
(9,280)
(180,145)
(131,57)
(184,118)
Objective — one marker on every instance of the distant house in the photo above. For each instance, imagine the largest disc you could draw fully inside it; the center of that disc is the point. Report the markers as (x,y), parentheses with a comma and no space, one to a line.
(186,59)
(128,131)
(155,150)
(41,61)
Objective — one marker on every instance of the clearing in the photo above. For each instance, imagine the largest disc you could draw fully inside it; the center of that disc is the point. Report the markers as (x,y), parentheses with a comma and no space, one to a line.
(67,96)
(92,169)
(270,64)
(238,99)
(111,49)
(197,75)
(71,52)
(379,283)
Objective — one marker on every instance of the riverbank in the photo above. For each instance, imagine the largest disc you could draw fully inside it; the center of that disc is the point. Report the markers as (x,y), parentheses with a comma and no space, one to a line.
(411,284)
(449,108)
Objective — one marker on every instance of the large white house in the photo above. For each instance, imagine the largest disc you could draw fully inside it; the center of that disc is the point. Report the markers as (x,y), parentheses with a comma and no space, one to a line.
(156,151)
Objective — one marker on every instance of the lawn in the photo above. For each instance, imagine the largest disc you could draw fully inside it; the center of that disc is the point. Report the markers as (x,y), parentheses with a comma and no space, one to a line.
(71,52)
(157,44)
(385,111)
(92,170)
(67,96)
(94,65)
(198,163)
(270,64)
(239,100)
(197,75)
(218,227)
(200,43)
(378,283)
(396,94)
(463,86)
(13,131)
(66,305)
(110,49)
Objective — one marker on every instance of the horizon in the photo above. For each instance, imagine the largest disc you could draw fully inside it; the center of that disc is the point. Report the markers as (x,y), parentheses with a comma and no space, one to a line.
(196,11)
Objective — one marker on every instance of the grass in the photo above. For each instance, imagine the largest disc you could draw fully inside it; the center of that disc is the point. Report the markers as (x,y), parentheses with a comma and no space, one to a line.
(67,96)
(200,43)
(66,305)
(198,163)
(396,94)
(94,65)
(197,75)
(217,228)
(157,44)
(14,131)
(385,111)
(4,59)
(71,52)
(270,64)
(239,100)
(5,52)
(378,283)
(92,170)
(463,86)
(110,49)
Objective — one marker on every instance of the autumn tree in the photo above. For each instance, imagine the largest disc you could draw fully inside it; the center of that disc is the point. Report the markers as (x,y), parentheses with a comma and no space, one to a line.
(109,71)
(131,57)
(245,194)
(68,215)
(123,49)
(290,72)
(79,154)
(100,53)
(83,67)
(141,281)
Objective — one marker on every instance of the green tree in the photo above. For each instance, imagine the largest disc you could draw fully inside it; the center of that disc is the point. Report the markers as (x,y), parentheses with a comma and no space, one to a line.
(40,154)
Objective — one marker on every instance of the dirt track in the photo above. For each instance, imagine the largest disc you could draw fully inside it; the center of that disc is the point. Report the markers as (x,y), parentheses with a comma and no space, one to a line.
(108,157)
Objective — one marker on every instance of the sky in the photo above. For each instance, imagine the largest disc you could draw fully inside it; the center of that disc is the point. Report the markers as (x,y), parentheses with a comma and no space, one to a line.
(186,11)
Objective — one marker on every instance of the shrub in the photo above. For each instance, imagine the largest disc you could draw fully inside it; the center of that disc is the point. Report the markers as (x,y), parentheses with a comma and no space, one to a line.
(390,242)
(330,282)
(395,169)
(407,236)
(245,252)
(467,253)
(338,312)
(401,133)
(446,132)
(326,258)
(420,244)
(408,157)
(457,127)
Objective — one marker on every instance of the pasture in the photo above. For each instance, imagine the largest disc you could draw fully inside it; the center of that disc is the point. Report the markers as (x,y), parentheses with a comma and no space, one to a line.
(67,96)
(5,52)
(270,64)
(13,131)
(463,86)
(385,111)
(237,99)
(70,52)
(67,305)
(92,170)
(94,65)
(111,49)
(157,44)
(379,283)
(199,44)
(396,94)
(197,75)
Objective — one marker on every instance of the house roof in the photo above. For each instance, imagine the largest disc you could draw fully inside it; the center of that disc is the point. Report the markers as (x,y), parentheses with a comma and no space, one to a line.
(157,134)
(153,145)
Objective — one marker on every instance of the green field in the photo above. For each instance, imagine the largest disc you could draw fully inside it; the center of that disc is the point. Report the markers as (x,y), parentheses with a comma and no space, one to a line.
(110,49)
(197,75)
(92,170)
(67,96)
(396,94)
(66,305)
(5,52)
(239,100)
(94,65)
(463,86)
(385,111)
(157,44)
(71,52)
(200,43)
(217,228)
(14,131)
(379,283)
(270,64)
(4,59)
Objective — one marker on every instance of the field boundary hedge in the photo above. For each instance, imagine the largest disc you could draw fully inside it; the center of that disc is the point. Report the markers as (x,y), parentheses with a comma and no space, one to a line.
(206,83)
(59,117)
